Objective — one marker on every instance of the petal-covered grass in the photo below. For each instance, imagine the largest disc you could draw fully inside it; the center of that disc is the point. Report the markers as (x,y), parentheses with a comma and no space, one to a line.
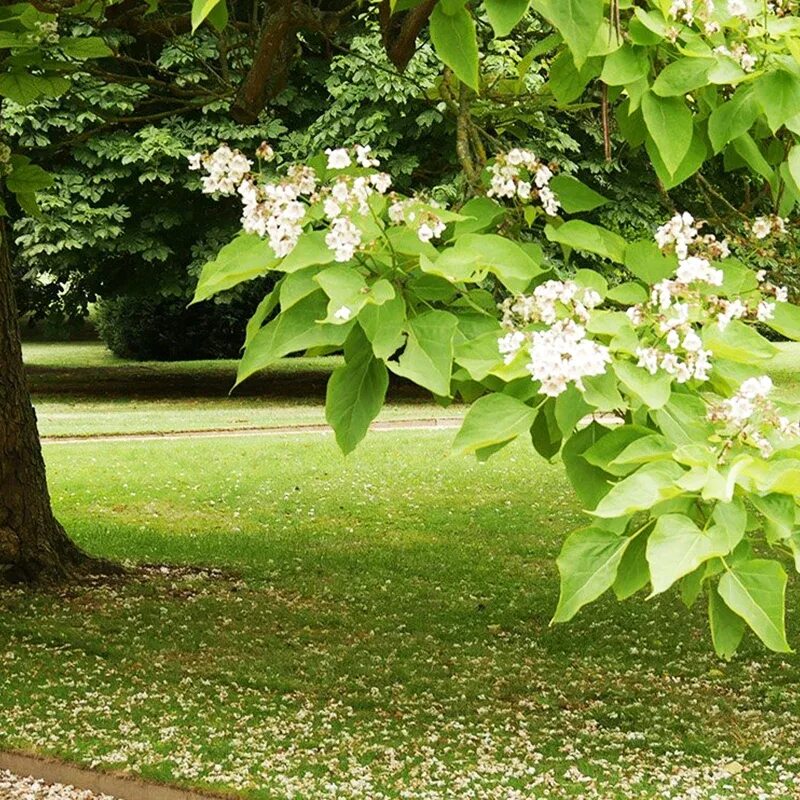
(371,627)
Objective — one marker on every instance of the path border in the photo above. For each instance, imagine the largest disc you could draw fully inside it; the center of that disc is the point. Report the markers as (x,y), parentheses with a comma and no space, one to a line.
(119,785)
(438,423)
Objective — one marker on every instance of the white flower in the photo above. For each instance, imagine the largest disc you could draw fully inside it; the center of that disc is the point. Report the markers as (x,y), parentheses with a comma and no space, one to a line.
(562,355)
(737,8)
(765,311)
(734,309)
(698,270)
(510,344)
(343,313)
(338,159)
(648,359)
(782,294)
(343,238)
(756,387)
(549,201)
(381,181)
(226,170)
(762,227)
(673,339)
(364,157)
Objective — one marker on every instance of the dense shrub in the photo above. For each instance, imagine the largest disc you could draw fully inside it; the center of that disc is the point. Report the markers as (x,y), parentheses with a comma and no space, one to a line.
(154,327)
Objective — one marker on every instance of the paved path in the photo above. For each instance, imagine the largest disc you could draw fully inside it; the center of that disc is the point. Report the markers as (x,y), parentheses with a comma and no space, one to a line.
(440,423)
(57,780)
(15,787)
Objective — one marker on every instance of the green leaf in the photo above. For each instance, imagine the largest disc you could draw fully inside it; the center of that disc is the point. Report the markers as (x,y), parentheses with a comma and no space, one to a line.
(491,420)
(727,628)
(625,65)
(780,515)
(428,357)
(756,591)
(733,119)
(247,256)
(683,420)
(455,41)
(683,76)
(263,310)
(746,147)
(608,447)
(570,409)
(793,162)
(738,342)
(590,238)
(578,21)
(786,320)
(545,433)
(384,325)
(677,547)
(356,392)
(26,177)
(588,566)
(480,214)
(642,451)
(85,48)
(23,88)
(694,159)
(505,14)
(292,331)
(346,288)
(648,263)
(633,573)
(628,294)
(476,254)
(575,196)
(669,123)
(309,251)
(653,390)
(566,81)
(200,10)
(778,95)
(649,485)
(589,482)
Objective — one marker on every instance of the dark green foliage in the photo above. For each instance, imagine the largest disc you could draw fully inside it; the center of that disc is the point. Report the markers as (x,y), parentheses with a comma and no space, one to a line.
(156,327)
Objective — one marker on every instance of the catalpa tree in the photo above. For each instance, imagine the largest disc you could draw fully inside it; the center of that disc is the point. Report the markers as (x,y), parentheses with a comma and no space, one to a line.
(652,391)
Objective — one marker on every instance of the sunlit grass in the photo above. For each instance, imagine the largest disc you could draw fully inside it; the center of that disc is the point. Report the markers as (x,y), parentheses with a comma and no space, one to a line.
(379,630)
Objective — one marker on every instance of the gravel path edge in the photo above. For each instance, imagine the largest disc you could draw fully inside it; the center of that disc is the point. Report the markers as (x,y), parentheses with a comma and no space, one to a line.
(117,785)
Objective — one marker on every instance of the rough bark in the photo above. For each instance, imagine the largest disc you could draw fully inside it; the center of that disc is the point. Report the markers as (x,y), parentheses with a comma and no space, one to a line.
(33,545)
(400,31)
(275,50)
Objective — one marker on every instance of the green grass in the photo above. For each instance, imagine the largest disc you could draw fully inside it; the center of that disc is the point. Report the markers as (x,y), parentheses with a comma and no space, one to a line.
(378,628)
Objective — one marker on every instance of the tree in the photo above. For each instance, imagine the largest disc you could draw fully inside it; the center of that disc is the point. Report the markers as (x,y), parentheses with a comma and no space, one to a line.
(652,389)
(33,545)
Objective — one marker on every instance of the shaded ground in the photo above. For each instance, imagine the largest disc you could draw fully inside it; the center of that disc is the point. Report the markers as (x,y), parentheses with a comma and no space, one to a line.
(88,369)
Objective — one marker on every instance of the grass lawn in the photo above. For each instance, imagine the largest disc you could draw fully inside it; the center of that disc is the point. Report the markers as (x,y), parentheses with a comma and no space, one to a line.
(82,389)
(375,627)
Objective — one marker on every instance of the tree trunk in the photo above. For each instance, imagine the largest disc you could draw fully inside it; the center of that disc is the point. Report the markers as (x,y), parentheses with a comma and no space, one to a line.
(33,545)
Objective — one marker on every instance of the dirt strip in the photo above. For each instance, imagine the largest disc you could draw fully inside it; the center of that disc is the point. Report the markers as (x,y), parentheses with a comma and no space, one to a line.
(63,779)
(444,423)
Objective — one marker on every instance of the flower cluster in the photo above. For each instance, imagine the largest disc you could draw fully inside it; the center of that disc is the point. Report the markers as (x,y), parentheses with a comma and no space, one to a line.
(740,54)
(772,225)
(280,209)
(520,174)
(226,169)
(751,418)
(277,210)
(417,215)
(560,352)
